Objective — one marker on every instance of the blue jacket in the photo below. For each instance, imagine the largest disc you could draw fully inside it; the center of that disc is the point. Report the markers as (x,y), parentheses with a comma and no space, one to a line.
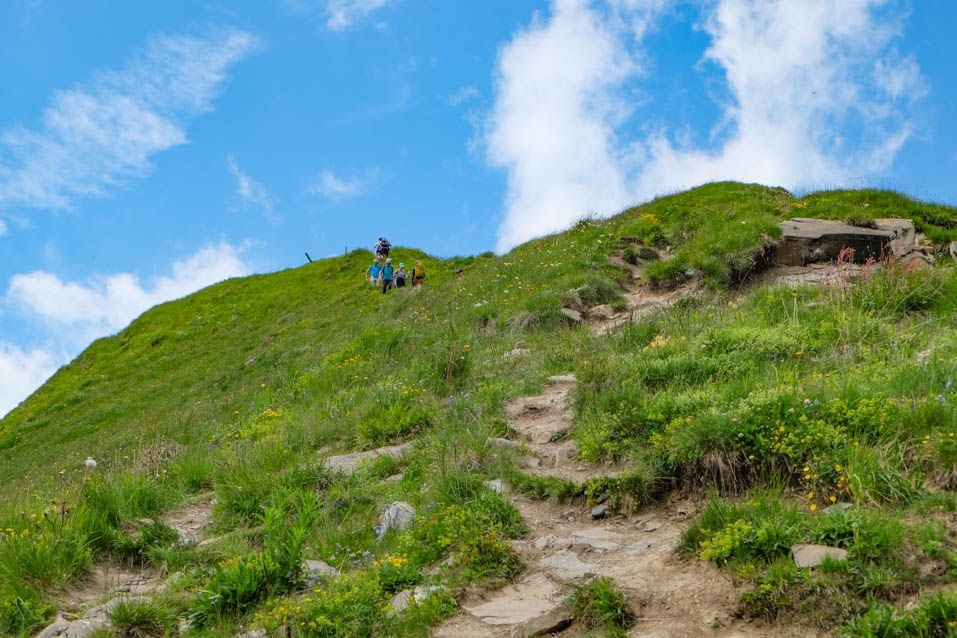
(374,271)
(387,272)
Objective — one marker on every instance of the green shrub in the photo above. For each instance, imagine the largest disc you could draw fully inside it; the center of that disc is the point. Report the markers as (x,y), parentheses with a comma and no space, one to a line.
(354,604)
(23,611)
(237,586)
(598,604)
(473,536)
(934,617)
(142,619)
(46,551)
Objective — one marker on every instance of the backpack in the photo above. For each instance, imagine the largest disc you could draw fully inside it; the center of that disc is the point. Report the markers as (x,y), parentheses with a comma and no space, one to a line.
(418,272)
(400,275)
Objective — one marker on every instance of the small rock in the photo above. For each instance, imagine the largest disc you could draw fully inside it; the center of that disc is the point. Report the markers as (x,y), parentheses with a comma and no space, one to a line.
(651,526)
(183,537)
(601,499)
(496,485)
(543,541)
(603,312)
(814,555)
(253,633)
(315,569)
(517,352)
(573,315)
(398,515)
(837,507)
(532,462)
(395,478)
(562,378)
(402,600)
(504,443)
(599,511)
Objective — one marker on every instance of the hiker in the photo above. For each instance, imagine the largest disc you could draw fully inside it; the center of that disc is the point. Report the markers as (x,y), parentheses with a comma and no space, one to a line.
(382,248)
(387,274)
(374,271)
(400,276)
(418,273)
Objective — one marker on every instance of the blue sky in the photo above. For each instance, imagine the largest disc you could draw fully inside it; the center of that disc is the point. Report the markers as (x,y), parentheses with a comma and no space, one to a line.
(149,149)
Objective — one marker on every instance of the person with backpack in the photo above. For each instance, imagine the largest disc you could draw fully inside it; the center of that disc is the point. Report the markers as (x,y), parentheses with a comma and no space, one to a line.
(382,248)
(400,276)
(373,273)
(387,275)
(418,273)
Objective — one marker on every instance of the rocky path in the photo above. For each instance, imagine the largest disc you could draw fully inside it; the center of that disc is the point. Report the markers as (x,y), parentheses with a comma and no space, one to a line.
(672,597)
(641,300)
(85,610)
(543,424)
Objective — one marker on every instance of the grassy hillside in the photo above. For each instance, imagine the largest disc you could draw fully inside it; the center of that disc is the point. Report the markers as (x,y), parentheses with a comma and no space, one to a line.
(780,403)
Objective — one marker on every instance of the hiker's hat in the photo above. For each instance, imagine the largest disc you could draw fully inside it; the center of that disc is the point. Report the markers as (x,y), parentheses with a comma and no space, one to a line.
(401,265)
(388,261)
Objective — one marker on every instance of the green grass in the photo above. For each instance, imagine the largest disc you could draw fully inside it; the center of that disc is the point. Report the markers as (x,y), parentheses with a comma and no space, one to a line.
(597,605)
(237,392)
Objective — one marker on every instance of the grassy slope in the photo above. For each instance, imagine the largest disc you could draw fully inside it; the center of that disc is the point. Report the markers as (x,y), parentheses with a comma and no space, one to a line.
(253,375)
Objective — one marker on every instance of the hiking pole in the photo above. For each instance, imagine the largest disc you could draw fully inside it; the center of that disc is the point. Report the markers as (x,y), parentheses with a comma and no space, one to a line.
(309,258)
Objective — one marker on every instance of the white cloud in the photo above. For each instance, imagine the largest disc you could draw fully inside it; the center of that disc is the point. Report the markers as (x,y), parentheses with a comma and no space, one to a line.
(97,136)
(250,192)
(105,304)
(464,94)
(22,372)
(818,97)
(334,187)
(552,126)
(338,15)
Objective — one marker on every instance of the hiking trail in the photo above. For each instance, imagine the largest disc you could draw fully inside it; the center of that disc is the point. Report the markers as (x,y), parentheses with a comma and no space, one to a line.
(672,597)
(85,609)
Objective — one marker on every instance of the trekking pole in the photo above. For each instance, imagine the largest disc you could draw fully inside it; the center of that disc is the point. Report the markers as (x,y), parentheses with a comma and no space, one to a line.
(309,258)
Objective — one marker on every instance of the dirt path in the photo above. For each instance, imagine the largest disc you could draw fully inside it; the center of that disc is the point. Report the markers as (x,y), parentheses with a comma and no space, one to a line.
(673,597)
(543,424)
(85,609)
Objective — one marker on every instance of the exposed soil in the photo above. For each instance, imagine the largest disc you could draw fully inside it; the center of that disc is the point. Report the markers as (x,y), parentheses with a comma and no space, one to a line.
(672,596)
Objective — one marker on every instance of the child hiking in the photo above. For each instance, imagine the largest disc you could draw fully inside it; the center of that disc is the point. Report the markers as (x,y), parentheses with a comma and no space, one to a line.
(387,274)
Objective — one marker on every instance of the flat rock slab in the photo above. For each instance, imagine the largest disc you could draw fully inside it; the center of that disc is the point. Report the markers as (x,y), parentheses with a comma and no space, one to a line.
(804,240)
(349,463)
(568,567)
(814,555)
(532,597)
